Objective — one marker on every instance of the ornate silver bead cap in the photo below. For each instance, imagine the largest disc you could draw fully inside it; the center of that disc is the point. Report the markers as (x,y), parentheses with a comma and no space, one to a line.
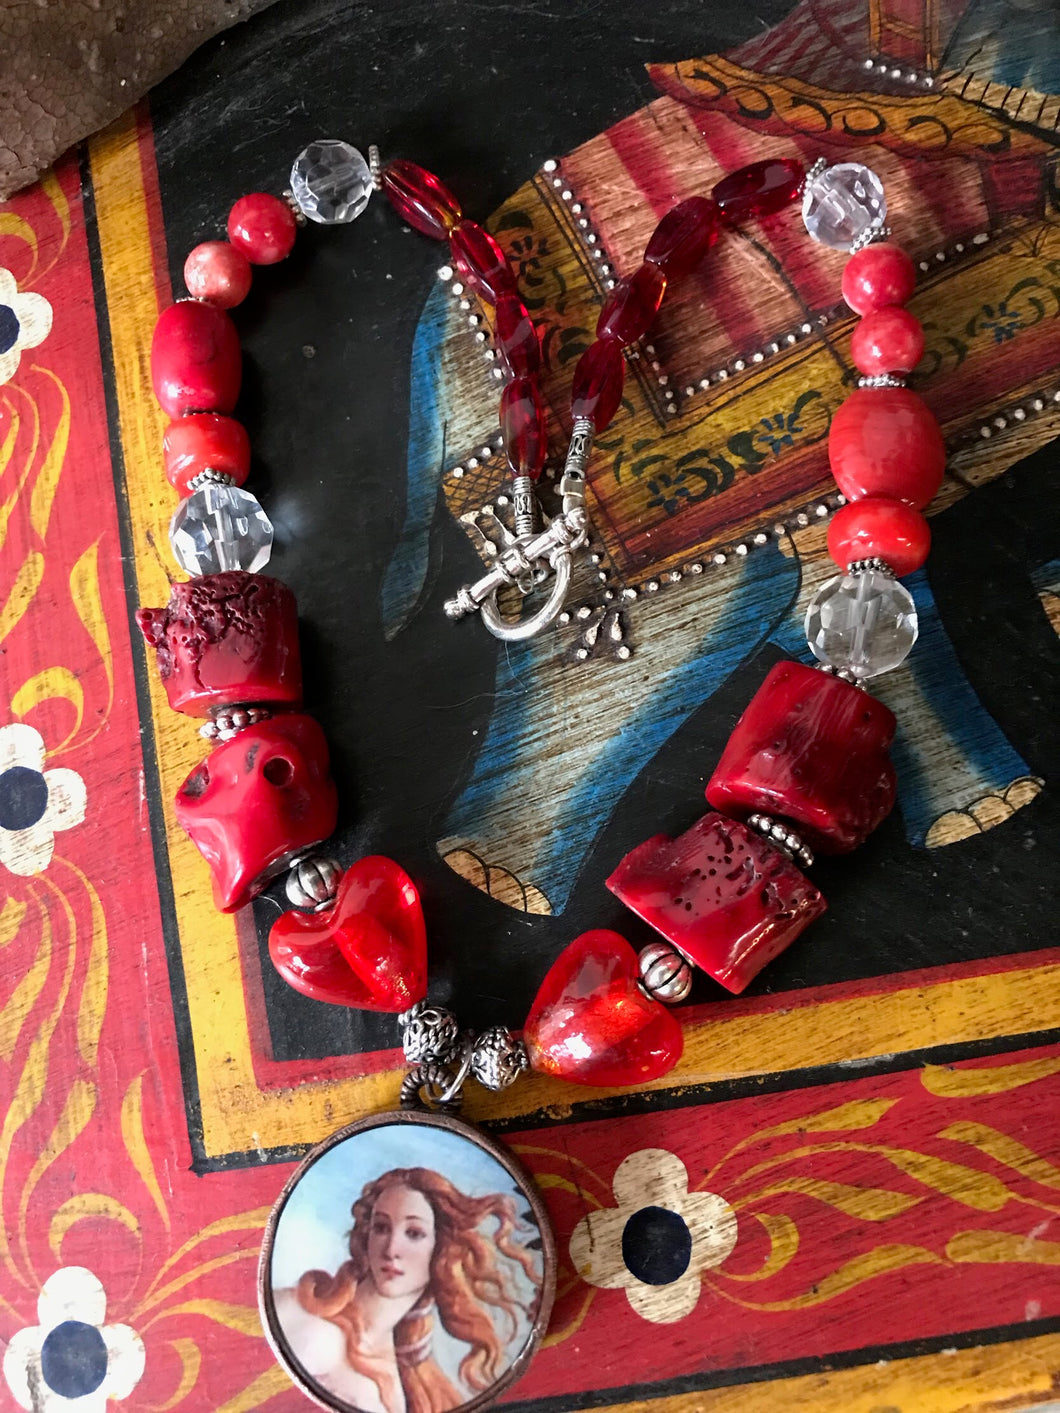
(664,973)
(331,182)
(429,1034)
(844,205)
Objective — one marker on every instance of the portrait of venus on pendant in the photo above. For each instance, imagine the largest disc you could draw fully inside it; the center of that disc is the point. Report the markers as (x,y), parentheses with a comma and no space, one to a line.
(428,1297)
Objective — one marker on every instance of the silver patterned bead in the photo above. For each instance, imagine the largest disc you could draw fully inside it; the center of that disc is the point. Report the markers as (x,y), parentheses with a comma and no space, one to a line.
(498,1059)
(664,973)
(313,883)
(429,1034)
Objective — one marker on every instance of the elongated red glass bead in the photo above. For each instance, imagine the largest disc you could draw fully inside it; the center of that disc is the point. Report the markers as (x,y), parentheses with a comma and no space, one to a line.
(196,361)
(632,305)
(886,442)
(523,425)
(596,388)
(420,199)
(480,261)
(205,441)
(760,189)
(683,236)
(516,337)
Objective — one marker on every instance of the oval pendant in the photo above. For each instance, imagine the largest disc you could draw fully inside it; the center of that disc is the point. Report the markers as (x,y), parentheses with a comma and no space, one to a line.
(408,1263)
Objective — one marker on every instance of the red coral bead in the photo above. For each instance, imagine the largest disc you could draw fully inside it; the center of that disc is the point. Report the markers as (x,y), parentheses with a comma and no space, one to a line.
(886,442)
(591,1022)
(877,277)
(879,528)
(721,894)
(256,800)
(263,227)
(420,199)
(759,189)
(596,388)
(205,441)
(632,305)
(218,272)
(812,749)
(516,337)
(196,361)
(523,425)
(226,639)
(480,261)
(683,236)
(889,340)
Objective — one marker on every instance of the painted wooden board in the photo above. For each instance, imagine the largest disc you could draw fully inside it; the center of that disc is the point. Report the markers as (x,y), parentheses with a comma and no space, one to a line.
(876,1115)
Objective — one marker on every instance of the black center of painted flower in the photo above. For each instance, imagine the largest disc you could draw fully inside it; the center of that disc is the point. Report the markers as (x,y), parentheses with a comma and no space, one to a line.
(656,1245)
(73,1359)
(8,328)
(23,795)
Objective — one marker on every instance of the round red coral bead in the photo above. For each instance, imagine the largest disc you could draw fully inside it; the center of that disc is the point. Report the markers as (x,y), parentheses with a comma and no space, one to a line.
(205,441)
(263,227)
(879,528)
(218,272)
(889,340)
(878,276)
(885,442)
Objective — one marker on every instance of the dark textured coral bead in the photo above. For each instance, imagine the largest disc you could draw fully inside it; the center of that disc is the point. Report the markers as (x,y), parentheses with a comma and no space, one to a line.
(596,388)
(811,749)
(759,189)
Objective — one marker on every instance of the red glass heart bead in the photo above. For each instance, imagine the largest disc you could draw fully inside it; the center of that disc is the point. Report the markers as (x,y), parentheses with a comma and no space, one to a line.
(878,276)
(516,337)
(596,388)
(759,189)
(196,361)
(523,425)
(888,340)
(591,1022)
(812,749)
(721,894)
(368,949)
(683,236)
(225,640)
(263,227)
(205,441)
(632,305)
(480,262)
(878,528)
(216,271)
(420,199)
(886,442)
(257,800)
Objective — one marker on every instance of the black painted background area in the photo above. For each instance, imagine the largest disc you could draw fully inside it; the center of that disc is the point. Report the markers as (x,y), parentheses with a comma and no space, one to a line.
(482,94)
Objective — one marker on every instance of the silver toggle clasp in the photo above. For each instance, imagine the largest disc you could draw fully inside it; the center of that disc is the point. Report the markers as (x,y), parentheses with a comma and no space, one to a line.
(532,557)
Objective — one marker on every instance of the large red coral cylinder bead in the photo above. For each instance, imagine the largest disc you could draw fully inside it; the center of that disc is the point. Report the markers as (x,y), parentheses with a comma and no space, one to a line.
(196,361)
(886,442)
(811,749)
(225,640)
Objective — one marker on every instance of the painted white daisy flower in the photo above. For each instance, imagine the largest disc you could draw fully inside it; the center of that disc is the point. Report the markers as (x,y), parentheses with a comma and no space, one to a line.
(72,1362)
(25,321)
(658,1241)
(34,803)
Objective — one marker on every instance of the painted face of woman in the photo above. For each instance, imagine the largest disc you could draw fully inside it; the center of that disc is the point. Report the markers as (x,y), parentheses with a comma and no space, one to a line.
(401,1242)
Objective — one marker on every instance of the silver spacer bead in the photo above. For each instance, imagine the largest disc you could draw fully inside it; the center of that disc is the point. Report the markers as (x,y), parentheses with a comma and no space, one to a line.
(375,166)
(429,1034)
(231,721)
(211,477)
(882,380)
(497,1058)
(867,237)
(664,973)
(814,171)
(870,566)
(784,838)
(313,882)
(843,673)
(292,201)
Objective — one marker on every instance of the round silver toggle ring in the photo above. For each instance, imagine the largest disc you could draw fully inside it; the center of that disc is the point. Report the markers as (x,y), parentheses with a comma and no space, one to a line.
(523,628)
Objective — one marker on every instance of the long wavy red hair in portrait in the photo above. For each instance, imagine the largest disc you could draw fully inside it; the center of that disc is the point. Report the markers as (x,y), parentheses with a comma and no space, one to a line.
(465,1280)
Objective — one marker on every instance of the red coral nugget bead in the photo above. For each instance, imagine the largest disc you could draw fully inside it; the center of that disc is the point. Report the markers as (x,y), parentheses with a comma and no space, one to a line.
(205,441)
(889,340)
(218,272)
(877,277)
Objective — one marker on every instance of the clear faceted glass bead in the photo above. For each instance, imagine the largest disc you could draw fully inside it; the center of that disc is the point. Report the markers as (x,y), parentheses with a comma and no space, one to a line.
(220,527)
(862,623)
(843,203)
(331,182)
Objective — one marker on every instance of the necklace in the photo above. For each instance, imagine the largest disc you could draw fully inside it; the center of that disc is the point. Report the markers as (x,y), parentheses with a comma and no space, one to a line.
(805,769)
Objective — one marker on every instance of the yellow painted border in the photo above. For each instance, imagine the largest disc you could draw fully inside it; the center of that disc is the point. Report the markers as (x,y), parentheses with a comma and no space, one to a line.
(237,1116)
